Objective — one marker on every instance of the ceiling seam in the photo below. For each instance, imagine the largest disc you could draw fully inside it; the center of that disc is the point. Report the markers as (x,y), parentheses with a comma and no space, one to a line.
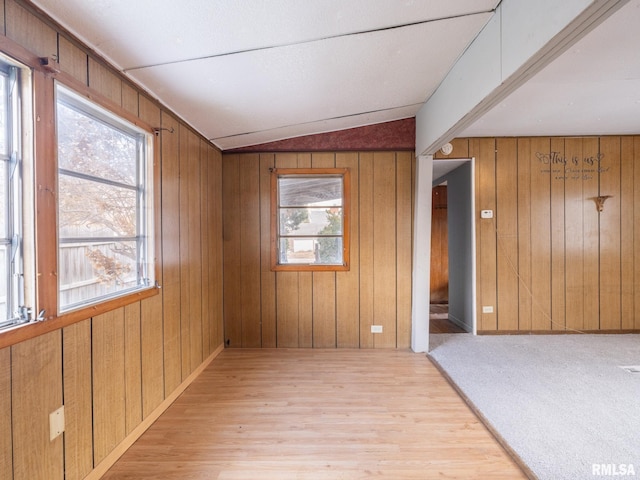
(213,139)
(313,40)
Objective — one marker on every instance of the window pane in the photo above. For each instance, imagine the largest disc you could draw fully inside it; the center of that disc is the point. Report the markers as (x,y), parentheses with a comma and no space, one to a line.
(310,221)
(90,146)
(4,291)
(4,200)
(90,271)
(310,191)
(4,116)
(314,250)
(93,209)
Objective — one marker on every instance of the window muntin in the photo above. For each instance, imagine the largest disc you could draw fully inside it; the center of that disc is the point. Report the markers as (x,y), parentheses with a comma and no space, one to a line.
(105,220)
(310,217)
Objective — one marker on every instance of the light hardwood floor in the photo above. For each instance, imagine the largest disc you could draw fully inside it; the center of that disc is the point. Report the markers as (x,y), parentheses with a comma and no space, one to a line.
(317,414)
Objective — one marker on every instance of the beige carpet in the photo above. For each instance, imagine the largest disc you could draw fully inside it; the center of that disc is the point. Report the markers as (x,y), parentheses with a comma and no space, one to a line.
(562,402)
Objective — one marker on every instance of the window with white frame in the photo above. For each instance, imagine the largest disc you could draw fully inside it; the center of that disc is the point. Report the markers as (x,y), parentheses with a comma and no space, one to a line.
(310,230)
(15,194)
(105,203)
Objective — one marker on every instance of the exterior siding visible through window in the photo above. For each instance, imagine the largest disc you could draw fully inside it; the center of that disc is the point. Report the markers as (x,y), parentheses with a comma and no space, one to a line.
(105,230)
(310,219)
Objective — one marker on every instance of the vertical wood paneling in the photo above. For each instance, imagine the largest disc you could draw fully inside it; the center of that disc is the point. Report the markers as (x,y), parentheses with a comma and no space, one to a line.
(170,229)
(627,172)
(439,278)
(36,389)
(404,240)
(487,265)
(287,287)
(130,100)
(184,249)
(76,367)
(6,449)
(610,287)
(104,81)
(215,262)
(591,235)
(149,111)
(3,29)
(109,388)
(305,285)
(574,236)
(206,227)
(384,242)
(524,233)
(558,283)
(305,310)
(287,309)
(72,59)
(366,249)
(231,232)
(133,366)
(324,309)
(347,283)
(541,233)
(506,221)
(324,284)
(194,255)
(267,277)
(152,355)
(249,264)
(29,31)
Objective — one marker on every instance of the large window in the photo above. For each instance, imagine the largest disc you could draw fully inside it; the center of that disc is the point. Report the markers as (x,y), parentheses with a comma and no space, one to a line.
(14,197)
(310,219)
(105,229)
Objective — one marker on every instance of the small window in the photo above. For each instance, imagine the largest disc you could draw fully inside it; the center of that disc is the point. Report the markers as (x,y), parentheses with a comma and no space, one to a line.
(105,229)
(15,196)
(310,224)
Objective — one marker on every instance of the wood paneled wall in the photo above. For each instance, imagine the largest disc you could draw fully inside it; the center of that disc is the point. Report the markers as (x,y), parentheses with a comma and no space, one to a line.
(548,260)
(114,370)
(320,309)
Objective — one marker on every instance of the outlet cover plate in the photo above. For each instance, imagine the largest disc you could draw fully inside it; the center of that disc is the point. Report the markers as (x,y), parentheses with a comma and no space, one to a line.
(376,328)
(56,423)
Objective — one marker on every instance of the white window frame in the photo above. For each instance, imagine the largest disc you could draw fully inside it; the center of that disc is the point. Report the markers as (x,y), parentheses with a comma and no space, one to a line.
(144,237)
(19,213)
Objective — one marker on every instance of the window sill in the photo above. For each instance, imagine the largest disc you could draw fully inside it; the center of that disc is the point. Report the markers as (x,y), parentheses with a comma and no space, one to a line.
(309,268)
(27,331)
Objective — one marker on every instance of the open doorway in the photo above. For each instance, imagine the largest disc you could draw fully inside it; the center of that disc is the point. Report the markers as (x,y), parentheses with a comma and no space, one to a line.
(452,276)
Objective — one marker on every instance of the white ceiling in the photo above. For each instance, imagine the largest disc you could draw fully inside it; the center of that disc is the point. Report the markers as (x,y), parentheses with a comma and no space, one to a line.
(591,89)
(245,72)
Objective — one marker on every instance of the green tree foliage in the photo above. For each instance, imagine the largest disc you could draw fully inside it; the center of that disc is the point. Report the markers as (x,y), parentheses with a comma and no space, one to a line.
(330,248)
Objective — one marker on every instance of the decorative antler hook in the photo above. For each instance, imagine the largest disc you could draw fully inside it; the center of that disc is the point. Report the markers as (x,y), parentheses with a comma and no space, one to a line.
(600,201)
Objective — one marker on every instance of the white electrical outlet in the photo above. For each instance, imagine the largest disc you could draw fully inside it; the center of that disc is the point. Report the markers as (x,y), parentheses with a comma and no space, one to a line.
(486,214)
(376,328)
(56,423)
(487,309)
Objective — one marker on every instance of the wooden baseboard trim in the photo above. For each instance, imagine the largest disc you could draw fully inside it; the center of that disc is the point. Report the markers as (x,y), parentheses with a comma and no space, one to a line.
(512,453)
(556,332)
(102,468)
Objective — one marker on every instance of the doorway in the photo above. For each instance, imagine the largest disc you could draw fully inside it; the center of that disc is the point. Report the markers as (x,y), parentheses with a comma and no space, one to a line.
(452,275)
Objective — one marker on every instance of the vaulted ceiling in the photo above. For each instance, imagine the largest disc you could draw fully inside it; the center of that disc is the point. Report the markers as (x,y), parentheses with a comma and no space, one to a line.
(246,72)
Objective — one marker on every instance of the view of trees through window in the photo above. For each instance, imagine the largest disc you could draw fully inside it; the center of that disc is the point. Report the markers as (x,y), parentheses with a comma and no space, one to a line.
(101,224)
